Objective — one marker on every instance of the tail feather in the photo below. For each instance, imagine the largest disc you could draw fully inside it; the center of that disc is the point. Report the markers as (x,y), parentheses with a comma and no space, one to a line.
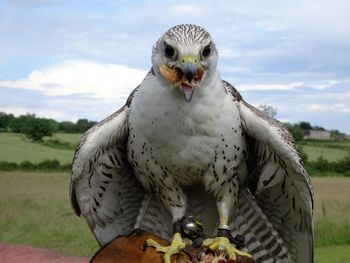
(261,239)
(153,217)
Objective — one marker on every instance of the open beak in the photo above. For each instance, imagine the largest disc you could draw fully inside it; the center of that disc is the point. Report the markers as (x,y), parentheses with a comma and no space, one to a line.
(189,71)
(186,75)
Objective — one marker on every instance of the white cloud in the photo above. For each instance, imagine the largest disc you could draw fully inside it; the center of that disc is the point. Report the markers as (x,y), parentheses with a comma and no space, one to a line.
(46,113)
(190,10)
(319,85)
(319,19)
(228,70)
(323,84)
(269,86)
(15,110)
(316,107)
(104,81)
(333,107)
(225,52)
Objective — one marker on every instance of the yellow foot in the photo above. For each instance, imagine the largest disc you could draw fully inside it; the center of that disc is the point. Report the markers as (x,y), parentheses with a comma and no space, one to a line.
(223,243)
(175,247)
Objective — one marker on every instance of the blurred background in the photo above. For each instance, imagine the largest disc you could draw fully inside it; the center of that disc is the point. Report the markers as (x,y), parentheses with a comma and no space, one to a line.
(64,65)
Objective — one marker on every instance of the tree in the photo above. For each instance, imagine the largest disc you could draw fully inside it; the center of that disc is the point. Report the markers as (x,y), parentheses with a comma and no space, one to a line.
(337,135)
(53,124)
(66,126)
(83,125)
(19,124)
(5,120)
(305,125)
(295,130)
(268,110)
(37,128)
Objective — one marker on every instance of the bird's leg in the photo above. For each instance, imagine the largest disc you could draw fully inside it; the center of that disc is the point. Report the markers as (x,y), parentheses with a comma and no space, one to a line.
(177,244)
(226,203)
(177,207)
(225,241)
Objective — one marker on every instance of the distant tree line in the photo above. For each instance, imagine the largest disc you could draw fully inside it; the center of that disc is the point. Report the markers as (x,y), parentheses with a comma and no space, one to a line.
(323,167)
(298,130)
(45,165)
(36,128)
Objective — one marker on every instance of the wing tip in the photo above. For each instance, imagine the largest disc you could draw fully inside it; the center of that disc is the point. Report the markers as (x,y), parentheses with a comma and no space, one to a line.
(232,90)
(73,200)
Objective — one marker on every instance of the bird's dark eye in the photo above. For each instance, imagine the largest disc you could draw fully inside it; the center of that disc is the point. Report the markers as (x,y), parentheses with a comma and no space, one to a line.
(206,51)
(169,51)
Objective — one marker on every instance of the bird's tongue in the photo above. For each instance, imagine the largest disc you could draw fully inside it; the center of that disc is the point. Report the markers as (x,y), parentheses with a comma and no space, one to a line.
(187,90)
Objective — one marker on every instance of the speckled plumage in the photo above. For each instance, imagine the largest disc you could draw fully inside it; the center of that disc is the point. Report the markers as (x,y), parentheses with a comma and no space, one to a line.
(147,154)
(174,143)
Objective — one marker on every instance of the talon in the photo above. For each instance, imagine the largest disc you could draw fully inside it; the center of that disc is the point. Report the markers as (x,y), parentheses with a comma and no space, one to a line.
(223,243)
(158,247)
(175,247)
(144,246)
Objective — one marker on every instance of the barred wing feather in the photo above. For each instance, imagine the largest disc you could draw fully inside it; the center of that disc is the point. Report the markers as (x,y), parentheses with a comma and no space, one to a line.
(277,180)
(103,186)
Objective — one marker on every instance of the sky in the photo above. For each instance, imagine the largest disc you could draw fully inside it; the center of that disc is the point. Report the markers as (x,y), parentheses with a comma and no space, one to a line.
(81,58)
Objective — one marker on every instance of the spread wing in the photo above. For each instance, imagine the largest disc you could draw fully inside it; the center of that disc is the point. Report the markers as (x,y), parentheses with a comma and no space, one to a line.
(103,187)
(280,186)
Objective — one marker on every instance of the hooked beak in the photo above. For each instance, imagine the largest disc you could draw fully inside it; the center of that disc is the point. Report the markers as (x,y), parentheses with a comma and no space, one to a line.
(186,75)
(189,71)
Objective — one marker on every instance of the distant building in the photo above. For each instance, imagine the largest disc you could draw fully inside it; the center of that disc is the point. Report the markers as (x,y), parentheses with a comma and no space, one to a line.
(317,135)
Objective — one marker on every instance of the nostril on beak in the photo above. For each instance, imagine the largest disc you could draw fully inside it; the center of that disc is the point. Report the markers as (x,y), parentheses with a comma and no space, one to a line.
(189,71)
(189,76)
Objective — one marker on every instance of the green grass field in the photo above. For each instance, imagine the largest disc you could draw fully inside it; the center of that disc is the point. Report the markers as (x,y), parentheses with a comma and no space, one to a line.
(35,210)
(330,154)
(330,150)
(343,145)
(332,210)
(17,148)
(72,138)
(333,254)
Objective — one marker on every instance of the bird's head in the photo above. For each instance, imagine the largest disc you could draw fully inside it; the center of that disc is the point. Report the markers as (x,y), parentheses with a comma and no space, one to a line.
(185,57)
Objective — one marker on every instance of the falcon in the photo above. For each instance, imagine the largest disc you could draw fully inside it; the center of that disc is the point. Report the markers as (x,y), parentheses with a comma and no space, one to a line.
(187,143)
